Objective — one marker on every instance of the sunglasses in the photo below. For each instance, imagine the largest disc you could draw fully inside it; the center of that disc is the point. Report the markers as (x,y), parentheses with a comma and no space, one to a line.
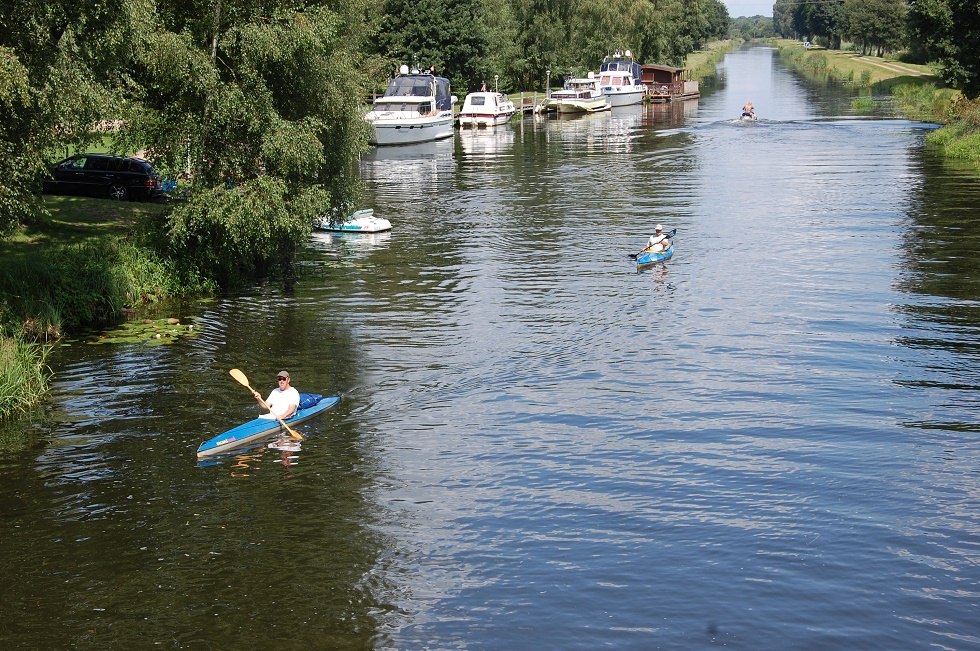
(281,379)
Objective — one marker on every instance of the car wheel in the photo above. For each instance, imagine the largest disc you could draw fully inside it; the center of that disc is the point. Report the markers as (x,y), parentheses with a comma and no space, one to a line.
(118,192)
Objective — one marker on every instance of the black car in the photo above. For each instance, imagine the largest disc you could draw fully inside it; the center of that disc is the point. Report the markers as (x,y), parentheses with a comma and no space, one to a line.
(102,175)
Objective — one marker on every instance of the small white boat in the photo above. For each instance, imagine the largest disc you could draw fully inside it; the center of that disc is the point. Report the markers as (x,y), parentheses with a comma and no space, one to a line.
(620,79)
(579,96)
(485,109)
(361,221)
(416,107)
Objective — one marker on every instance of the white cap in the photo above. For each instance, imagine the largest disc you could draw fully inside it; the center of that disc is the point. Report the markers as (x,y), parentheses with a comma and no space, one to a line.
(659,227)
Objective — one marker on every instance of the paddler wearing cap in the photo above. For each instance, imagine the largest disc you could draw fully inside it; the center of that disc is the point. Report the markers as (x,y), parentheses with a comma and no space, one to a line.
(658,241)
(284,399)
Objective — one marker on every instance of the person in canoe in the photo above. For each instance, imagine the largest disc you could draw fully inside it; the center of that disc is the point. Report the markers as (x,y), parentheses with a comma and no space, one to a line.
(748,111)
(284,399)
(658,241)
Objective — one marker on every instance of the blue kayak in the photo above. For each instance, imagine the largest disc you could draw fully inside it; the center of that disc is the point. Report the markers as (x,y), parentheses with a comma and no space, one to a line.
(648,257)
(260,428)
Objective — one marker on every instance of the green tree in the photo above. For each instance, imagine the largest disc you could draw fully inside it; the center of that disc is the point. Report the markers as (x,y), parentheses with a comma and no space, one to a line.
(55,87)
(876,24)
(446,34)
(949,32)
(258,103)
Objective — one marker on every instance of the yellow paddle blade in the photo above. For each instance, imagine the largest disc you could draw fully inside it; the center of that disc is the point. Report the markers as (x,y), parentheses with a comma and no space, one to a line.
(239,377)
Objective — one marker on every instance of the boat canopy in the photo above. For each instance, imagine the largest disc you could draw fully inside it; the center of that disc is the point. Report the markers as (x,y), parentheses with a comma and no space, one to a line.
(421,85)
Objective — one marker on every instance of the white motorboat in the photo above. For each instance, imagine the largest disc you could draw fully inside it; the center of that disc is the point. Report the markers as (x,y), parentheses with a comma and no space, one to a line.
(620,79)
(416,107)
(361,221)
(580,95)
(485,109)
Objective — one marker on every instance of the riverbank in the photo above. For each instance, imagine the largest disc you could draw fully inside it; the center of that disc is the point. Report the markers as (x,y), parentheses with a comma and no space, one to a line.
(915,90)
(80,268)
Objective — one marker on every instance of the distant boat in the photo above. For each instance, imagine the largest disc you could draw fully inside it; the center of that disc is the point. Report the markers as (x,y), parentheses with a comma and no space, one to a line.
(416,107)
(580,95)
(486,109)
(620,79)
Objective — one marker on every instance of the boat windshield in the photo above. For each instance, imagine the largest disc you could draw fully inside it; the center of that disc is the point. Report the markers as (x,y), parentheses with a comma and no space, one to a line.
(417,85)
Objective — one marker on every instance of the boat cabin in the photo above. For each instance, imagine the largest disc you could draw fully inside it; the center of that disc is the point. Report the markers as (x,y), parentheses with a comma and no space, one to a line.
(667,83)
(419,86)
(615,68)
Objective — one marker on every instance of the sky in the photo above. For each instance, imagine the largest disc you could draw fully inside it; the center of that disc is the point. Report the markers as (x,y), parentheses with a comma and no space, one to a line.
(738,8)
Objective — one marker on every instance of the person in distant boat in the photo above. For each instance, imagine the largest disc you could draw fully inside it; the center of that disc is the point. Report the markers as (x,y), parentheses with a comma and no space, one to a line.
(284,399)
(658,241)
(483,87)
(748,111)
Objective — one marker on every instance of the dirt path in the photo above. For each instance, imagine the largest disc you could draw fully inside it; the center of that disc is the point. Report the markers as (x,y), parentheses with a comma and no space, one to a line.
(891,66)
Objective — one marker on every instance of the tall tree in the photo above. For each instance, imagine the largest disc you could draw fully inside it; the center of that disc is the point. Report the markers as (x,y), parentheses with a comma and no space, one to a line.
(55,60)
(446,34)
(876,24)
(949,30)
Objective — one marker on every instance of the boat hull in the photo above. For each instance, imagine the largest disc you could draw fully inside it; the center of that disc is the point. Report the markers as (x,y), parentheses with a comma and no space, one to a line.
(583,106)
(407,131)
(258,429)
(623,97)
(649,258)
(484,120)
(362,221)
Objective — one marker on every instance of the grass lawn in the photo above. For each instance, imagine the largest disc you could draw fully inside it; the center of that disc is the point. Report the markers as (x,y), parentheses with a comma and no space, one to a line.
(880,68)
(75,220)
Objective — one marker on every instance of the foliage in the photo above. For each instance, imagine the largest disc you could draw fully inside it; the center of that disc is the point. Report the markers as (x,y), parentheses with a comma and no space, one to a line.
(444,34)
(876,24)
(24,374)
(949,32)
(233,233)
(754,27)
(54,87)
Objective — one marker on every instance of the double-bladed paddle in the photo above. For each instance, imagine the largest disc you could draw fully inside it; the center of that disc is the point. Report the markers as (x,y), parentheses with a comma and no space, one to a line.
(242,380)
(670,236)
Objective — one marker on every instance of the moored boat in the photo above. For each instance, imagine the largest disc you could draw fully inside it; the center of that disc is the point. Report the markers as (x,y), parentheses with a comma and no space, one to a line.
(259,429)
(620,79)
(486,109)
(361,221)
(580,95)
(416,107)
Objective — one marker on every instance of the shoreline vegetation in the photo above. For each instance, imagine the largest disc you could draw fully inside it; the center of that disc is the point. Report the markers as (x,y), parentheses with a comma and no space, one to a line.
(891,86)
(91,261)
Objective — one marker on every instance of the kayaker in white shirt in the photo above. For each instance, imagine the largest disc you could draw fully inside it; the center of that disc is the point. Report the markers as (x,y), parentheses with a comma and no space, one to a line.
(284,399)
(658,241)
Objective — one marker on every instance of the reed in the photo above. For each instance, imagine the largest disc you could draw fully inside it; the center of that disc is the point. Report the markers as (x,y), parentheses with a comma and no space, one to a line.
(24,375)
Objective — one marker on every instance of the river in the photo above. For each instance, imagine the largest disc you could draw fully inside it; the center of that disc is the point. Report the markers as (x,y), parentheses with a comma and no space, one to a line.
(769,442)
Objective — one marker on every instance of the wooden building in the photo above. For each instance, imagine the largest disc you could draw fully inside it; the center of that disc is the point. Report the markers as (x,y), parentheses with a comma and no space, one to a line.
(667,83)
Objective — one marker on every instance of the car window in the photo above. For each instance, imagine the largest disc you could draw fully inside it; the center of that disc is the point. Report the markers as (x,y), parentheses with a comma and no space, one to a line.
(117,165)
(96,163)
(74,163)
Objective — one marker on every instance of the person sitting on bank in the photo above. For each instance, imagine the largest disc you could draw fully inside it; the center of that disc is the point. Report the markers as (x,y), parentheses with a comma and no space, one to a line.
(658,241)
(284,399)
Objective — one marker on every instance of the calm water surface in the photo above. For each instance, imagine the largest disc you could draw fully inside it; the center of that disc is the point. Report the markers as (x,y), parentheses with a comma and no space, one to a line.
(769,442)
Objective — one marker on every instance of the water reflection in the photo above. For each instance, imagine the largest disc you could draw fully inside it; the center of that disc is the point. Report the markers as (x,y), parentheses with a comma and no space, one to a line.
(409,168)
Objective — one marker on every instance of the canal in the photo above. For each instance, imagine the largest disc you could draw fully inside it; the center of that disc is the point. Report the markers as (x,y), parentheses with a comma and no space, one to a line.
(770,441)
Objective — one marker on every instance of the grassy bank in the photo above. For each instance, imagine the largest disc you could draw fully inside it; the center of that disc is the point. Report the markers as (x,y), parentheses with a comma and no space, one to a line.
(916,90)
(702,63)
(78,269)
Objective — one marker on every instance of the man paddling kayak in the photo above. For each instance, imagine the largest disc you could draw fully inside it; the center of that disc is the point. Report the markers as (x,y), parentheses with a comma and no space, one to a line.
(283,401)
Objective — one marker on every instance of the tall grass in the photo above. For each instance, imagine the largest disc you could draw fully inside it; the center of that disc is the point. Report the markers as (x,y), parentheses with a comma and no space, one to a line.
(24,375)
